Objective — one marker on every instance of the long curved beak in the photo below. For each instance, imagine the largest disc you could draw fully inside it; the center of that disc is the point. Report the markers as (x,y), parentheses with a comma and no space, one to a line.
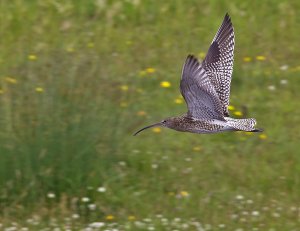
(150,126)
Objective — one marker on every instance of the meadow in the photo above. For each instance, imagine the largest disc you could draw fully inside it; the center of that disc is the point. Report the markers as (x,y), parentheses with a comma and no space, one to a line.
(78,78)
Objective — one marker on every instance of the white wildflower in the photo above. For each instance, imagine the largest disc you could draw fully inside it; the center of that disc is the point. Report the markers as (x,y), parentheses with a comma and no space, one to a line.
(51,195)
(101,189)
(255,213)
(245,213)
(154,166)
(284,67)
(221,226)
(249,201)
(177,219)
(233,216)
(271,87)
(122,163)
(85,199)
(75,216)
(92,206)
(239,197)
(97,224)
(283,82)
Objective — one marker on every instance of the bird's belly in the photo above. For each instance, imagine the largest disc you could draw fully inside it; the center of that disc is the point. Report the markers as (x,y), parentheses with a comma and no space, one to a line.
(204,126)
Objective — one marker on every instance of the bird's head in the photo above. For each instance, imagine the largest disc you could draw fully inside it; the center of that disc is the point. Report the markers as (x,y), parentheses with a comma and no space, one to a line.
(164,123)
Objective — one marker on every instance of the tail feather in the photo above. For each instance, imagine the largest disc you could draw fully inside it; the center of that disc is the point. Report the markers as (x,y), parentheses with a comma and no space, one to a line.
(258,130)
(243,124)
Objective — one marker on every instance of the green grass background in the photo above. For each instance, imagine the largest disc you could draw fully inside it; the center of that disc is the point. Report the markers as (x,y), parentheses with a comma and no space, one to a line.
(76,135)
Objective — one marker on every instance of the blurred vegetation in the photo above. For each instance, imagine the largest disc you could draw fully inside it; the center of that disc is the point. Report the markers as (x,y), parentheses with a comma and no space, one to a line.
(77,78)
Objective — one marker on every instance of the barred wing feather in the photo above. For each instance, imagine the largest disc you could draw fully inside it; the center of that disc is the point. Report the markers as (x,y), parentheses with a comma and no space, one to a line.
(198,92)
(218,62)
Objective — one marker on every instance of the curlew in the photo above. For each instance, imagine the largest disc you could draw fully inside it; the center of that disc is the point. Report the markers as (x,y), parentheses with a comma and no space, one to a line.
(205,88)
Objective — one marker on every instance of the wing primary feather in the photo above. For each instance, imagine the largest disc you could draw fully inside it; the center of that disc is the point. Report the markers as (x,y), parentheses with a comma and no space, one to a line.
(218,62)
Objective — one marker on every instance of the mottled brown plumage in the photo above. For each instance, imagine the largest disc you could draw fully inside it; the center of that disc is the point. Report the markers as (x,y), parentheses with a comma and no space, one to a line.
(206,89)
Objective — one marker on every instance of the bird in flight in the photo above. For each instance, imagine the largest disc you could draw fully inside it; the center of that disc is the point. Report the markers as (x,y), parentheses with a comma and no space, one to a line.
(205,88)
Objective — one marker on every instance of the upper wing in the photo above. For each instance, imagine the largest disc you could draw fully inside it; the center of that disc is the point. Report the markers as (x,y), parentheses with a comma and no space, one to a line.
(218,62)
(198,92)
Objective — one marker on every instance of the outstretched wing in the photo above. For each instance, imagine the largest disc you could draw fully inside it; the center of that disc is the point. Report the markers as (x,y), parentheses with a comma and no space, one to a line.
(218,62)
(198,92)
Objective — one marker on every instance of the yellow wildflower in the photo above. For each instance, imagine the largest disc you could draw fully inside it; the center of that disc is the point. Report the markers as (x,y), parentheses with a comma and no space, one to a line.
(231,108)
(131,218)
(263,136)
(90,45)
(39,89)
(184,194)
(70,49)
(297,68)
(11,80)
(238,113)
(202,55)
(165,84)
(32,57)
(150,70)
(178,101)
(109,217)
(197,148)
(123,104)
(260,58)
(141,113)
(156,130)
(124,88)
(247,59)
(293,69)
